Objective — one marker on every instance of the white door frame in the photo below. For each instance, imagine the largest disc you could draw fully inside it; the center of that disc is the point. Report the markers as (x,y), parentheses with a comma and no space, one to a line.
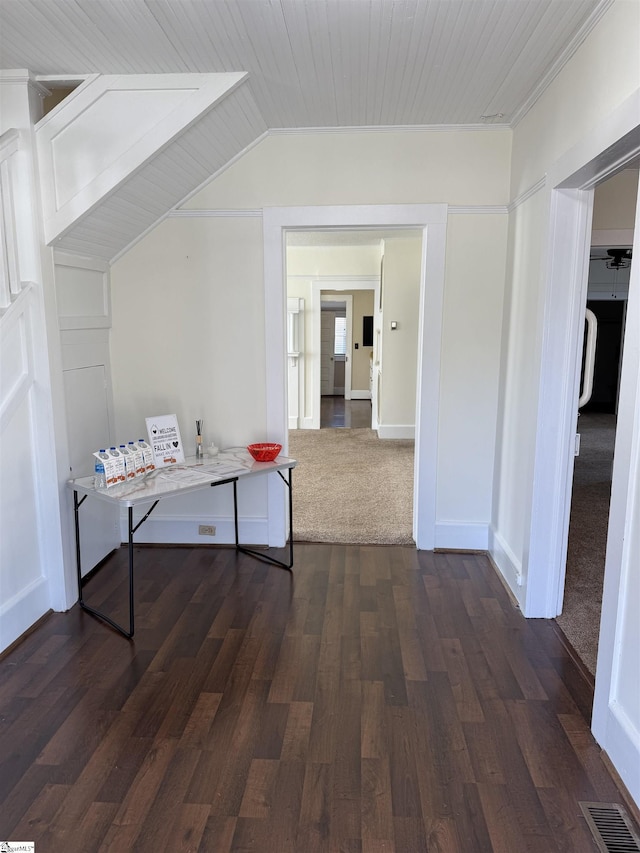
(348,310)
(602,152)
(324,353)
(432,220)
(318,286)
(571,181)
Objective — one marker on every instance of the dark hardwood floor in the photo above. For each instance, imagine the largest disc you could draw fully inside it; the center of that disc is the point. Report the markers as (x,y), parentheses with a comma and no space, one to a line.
(378,699)
(350,414)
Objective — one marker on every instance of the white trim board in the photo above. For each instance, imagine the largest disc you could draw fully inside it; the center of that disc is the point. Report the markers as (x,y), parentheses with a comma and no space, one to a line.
(611,143)
(407,431)
(22,610)
(390,128)
(526,194)
(504,559)
(547,79)
(318,284)
(462,535)
(605,149)
(432,220)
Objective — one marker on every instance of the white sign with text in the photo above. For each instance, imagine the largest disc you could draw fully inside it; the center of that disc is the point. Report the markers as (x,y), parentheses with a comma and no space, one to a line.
(165,441)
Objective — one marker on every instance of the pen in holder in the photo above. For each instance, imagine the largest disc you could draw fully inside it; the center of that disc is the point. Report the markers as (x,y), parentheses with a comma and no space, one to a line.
(199,448)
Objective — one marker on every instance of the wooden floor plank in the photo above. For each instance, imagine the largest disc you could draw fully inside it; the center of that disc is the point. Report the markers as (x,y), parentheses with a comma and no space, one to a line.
(375,699)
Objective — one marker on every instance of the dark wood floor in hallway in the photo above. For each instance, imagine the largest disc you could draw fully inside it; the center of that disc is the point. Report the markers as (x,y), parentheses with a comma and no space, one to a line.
(380,699)
(347,414)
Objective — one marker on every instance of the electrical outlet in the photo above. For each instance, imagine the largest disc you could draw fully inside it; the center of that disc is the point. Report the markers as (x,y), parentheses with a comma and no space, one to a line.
(207,530)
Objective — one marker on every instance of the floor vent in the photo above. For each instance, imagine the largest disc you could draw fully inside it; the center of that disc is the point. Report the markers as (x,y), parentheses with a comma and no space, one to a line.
(611,828)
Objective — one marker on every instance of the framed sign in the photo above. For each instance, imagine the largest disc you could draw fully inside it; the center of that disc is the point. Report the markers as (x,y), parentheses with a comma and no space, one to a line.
(165,441)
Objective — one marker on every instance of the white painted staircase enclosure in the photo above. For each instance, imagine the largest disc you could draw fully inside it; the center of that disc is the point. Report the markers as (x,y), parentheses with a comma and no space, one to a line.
(122,150)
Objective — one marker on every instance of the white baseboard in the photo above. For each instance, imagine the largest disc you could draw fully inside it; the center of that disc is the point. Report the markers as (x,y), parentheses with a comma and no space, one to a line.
(307,423)
(463,536)
(22,610)
(178,530)
(293,423)
(396,431)
(622,745)
(507,563)
(360,395)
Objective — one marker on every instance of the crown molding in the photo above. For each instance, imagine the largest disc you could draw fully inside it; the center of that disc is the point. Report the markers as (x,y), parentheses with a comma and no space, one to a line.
(388,128)
(544,83)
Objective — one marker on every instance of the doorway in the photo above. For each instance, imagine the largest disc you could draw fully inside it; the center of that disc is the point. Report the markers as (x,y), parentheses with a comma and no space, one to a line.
(606,301)
(337,276)
(336,324)
(614,144)
(429,220)
(337,352)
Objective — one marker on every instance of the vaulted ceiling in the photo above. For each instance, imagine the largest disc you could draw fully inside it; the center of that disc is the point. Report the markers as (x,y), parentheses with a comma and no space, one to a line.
(319,63)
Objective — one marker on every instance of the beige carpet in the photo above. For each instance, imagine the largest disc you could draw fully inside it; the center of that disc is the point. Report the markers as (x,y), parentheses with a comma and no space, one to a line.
(351,487)
(580,618)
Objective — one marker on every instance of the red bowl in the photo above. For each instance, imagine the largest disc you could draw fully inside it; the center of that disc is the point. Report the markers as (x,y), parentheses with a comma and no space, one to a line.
(264,452)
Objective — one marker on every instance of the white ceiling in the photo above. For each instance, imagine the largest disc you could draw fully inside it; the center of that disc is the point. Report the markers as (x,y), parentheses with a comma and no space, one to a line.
(319,63)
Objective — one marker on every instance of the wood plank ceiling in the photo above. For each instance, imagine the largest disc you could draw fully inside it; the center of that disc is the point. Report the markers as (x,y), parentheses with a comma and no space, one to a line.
(311,63)
(318,63)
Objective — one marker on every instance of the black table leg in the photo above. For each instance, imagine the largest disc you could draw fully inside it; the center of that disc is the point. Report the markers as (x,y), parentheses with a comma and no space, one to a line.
(260,555)
(92,610)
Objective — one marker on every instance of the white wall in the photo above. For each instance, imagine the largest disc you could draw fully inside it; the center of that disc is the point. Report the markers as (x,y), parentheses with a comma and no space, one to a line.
(84,317)
(602,73)
(473,304)
(32,465)
(595,81)
(616,707)
(399,347)
(520,352)
(308,262)
(188,338)
(361,357)
(590,106)
(465,167)
(201,281)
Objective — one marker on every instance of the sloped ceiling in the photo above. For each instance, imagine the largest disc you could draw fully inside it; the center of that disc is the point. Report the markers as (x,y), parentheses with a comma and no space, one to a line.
(125,149)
